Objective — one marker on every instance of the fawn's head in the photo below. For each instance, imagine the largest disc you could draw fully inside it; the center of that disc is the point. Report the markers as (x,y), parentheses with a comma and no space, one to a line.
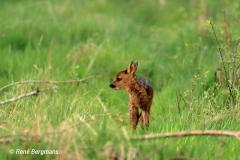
(126,77)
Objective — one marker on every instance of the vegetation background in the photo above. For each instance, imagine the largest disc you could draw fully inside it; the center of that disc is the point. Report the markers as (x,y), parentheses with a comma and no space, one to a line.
(73,39)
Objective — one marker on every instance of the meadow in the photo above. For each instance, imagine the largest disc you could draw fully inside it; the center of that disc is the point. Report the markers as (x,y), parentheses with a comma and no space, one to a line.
(174,44)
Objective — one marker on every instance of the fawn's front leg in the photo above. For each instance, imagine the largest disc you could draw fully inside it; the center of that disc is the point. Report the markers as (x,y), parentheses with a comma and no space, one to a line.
(134,116)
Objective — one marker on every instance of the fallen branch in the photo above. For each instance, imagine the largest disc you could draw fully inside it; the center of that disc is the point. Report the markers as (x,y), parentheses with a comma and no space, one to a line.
(42,81)
(234,134)
(24,95)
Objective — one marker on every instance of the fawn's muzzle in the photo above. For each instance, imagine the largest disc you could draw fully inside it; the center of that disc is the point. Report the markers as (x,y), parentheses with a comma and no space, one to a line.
(112,86)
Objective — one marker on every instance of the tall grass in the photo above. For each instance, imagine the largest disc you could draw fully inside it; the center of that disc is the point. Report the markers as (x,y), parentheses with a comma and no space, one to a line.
(58,40)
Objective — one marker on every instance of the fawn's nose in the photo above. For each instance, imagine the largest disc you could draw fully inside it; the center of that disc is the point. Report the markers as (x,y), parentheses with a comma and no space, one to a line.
(112,86)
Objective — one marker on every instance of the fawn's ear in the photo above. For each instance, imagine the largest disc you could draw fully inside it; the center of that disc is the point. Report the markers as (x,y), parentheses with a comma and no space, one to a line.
(132,67)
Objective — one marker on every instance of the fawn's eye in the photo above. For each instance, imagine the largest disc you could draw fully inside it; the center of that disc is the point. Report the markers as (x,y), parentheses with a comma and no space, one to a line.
(119,79)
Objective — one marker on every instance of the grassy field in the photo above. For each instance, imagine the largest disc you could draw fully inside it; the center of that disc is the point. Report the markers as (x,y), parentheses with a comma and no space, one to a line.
(73,39)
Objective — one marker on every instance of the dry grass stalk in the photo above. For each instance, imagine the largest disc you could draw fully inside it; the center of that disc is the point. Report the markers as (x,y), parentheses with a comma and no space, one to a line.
(229,85)
(36,136)
(202,16)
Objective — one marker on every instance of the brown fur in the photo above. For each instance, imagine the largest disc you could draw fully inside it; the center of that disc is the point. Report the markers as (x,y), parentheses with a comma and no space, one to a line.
(140,94)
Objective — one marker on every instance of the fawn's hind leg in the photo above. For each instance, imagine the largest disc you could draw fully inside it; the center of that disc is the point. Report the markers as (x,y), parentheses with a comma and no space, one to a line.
(145,117)
(134,116)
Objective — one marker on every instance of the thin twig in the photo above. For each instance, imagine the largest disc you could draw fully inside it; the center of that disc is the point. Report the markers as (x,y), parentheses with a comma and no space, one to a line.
(183,99)
(24,95)
(223,62)
(43,81)
(234,134)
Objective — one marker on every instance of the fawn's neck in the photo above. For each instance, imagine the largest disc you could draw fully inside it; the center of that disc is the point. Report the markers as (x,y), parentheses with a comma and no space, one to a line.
(134,87)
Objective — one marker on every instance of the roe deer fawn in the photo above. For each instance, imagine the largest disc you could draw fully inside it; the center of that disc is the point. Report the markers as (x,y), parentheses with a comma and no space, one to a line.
(140,94)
